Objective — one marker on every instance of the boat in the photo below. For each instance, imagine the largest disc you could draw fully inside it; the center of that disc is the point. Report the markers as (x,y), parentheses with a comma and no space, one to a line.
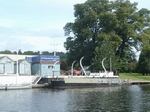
(93,80)
(15,86)
(8,82)
(15,81)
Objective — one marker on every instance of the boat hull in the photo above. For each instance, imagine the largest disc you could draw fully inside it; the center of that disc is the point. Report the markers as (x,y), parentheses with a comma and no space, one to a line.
(15,86)
(61,84)
(85,82)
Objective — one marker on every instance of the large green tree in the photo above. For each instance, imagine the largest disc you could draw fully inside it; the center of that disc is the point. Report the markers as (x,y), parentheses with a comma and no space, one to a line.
(144,58)
(144,61)
(118,23)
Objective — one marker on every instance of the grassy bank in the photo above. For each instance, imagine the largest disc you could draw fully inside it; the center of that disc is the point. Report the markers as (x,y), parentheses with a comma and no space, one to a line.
(134,76)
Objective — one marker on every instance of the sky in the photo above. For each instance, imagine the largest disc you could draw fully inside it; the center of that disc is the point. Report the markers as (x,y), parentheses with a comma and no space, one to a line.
(37,25)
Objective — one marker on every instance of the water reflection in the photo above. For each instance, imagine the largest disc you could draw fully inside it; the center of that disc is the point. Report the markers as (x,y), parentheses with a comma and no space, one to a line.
(122,99)
(93,99)
(128,98)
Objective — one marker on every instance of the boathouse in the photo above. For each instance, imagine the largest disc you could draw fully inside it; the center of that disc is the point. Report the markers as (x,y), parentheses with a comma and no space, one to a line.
(45,65)
(24,67)
(6,65)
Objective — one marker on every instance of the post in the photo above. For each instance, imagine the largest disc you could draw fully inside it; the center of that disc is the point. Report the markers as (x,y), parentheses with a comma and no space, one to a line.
(110,65)
(17,67)
(17,63)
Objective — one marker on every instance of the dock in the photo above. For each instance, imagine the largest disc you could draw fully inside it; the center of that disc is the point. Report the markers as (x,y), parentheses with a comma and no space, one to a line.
(139,82)
(40,85)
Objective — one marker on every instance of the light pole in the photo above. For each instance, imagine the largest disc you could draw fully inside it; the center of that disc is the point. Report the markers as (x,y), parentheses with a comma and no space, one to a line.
(17,63)
(54,47)
(72,68)
(54,67)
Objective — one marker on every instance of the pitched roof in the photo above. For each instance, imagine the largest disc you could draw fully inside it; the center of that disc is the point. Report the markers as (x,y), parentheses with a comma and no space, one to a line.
(6,57)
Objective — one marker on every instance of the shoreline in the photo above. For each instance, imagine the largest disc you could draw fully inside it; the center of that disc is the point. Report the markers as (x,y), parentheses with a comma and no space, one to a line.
(46,85)
(139,82)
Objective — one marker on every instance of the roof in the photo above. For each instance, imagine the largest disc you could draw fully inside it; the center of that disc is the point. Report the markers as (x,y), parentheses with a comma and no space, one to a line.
(6,57)
(15,57)
(21,60)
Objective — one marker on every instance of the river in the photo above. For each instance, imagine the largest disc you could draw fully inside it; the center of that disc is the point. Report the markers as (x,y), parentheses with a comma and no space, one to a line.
(122,99)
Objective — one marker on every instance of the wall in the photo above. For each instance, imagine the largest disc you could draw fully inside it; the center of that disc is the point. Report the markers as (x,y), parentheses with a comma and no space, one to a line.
(24,68)
(36,69)
(47,69)
(2,66)
(16,79)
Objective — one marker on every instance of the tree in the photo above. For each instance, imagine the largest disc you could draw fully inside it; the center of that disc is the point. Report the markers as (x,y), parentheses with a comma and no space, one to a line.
(144,58)
(63,65)
(28,53)
(144,61)
(6,52)
(102,52)
(97,21)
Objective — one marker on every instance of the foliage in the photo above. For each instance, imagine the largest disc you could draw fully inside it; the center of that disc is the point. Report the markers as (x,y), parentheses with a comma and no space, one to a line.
(29,53)
(102,52)
(98,23)
(63,65)
(6,52)
(144,61)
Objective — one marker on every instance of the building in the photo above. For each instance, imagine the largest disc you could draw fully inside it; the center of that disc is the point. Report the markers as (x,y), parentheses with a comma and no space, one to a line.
(6,65)
(24,67)
(45,65)
(30,65)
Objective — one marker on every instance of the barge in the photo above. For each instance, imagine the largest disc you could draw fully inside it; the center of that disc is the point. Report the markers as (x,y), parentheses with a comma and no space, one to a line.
(93,80)
(86,81)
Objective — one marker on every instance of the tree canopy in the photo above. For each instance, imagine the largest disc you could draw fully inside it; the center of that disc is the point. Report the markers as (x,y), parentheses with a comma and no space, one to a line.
(102,23)
(144,58)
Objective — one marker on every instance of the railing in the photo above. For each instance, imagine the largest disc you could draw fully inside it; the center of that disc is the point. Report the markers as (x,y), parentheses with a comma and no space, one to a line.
(36,80)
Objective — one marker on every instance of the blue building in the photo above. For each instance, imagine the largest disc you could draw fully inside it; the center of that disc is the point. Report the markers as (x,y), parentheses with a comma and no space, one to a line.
(45,65)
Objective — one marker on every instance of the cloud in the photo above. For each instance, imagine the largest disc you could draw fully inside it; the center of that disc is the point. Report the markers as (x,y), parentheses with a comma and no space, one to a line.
(32,24)
(33,43)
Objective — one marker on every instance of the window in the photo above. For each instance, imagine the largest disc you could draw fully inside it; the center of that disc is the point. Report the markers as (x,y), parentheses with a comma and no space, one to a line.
(50,67)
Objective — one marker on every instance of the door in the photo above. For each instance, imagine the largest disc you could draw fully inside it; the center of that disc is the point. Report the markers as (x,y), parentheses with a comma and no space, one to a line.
(1,68)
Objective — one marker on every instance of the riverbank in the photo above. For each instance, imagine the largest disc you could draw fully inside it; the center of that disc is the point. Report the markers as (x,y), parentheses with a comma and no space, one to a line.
(132,78)
(135,77)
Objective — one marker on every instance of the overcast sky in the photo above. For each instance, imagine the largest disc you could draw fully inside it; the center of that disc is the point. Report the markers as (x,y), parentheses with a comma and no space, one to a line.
(36,25)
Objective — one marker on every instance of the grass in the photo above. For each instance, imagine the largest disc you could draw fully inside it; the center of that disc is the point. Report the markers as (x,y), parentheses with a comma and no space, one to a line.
(134,76)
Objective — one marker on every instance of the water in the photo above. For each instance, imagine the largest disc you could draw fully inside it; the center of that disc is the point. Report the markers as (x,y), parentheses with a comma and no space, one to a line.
(133,98)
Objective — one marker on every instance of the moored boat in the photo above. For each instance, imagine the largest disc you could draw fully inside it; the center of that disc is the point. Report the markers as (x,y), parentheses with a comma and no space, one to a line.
(86,81)
(93,80)
(15,86)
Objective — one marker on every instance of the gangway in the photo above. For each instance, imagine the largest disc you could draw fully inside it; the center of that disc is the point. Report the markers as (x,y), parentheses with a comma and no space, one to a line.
(36,80)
